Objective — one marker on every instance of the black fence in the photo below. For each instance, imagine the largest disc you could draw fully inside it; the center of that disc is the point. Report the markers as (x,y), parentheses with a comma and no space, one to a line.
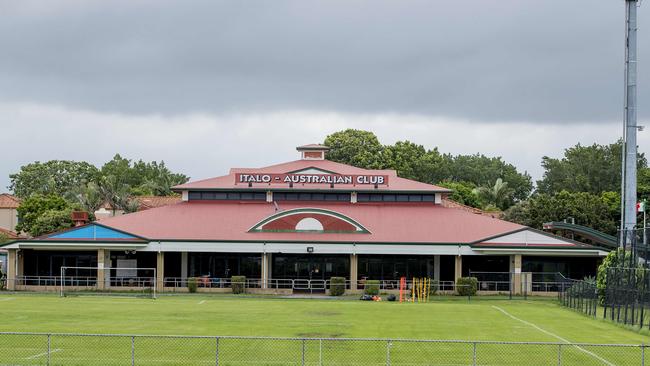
(621,293)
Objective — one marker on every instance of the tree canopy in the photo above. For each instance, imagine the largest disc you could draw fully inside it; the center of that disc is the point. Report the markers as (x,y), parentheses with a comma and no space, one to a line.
(594,169)
(52,177)
(413,161)
(39,214)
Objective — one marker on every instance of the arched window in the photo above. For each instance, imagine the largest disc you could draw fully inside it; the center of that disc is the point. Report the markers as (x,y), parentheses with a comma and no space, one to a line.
(309,224)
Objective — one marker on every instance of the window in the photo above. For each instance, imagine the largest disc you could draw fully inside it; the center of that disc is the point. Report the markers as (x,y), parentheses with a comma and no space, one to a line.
(381,197)
(224,196)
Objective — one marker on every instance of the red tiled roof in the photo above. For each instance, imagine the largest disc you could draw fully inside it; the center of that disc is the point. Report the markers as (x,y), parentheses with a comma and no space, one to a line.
(8,233)
(387,223)
(395,183)
(9,201)
(446,202)
(147,202)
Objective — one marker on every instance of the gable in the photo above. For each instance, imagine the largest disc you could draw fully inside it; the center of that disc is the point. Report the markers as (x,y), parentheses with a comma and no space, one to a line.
(527,237)
(312,170)
(93,232)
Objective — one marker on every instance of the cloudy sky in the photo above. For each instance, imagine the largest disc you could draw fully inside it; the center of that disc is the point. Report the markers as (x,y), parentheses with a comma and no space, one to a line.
(209,85)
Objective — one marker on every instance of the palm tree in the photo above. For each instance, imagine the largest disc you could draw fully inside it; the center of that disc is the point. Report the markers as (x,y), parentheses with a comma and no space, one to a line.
(497,195)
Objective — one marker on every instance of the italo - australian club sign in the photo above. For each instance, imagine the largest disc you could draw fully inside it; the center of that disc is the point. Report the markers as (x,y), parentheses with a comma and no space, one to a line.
(312,178)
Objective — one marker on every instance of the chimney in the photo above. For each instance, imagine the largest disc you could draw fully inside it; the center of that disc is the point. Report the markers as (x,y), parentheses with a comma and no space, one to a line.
(79,218)
(312,151)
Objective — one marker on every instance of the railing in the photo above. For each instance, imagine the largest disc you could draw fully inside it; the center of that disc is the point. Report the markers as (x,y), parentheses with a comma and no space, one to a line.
(257,283)
(119,349)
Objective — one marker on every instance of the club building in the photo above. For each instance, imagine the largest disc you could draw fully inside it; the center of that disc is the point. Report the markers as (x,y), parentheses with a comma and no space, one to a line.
(291,227)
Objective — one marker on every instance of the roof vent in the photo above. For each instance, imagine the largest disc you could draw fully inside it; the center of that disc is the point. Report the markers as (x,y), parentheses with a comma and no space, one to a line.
(313,151)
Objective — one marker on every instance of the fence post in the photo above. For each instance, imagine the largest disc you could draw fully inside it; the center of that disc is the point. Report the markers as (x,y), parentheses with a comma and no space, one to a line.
(559,354)
(49,348)
(320,352)
(216,351)
(388,352)
(132,350)
(642,354)
(303,352)
(474,353)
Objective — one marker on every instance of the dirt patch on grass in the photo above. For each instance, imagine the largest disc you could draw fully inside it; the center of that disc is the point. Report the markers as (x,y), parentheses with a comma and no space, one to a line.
(319,335)
(323,313)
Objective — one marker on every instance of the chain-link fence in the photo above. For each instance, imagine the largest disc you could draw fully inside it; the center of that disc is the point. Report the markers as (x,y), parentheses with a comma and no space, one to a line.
(95,349)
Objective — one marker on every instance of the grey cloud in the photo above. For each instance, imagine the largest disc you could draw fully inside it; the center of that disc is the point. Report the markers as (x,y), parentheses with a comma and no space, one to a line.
(545,61)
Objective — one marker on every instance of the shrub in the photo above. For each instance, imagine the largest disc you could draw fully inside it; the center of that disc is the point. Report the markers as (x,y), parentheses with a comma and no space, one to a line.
(371,287)
(337,286)
(392,297)
(433,287)
(192,284)
(238,284)
(466,286)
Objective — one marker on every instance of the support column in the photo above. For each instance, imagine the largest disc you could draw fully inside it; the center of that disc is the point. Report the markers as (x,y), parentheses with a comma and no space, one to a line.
(515,265)
(436,268)
(183,267)
(160,271)
(101,276)
(265,270)
(11,269)
(354,271)
(458,268)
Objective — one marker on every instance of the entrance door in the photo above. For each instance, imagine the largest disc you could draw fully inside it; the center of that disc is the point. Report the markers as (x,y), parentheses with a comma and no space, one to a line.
(309,274)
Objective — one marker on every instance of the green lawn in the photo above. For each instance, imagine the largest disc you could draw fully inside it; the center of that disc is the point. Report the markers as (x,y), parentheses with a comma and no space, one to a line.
(537,320)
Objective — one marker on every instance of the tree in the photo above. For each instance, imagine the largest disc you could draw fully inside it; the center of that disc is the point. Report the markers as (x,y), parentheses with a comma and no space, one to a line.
(89,196)
(355,147)
(482,170)
(412,161)
(39,214)
(142,178)
(587,209)
(497,195)
(594,169)
(463,192)
(52,177)
(117,194)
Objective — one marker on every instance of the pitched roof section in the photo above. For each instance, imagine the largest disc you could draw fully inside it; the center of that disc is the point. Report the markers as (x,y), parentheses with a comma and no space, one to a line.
(9,201)
(395,183)
(387,223)
(147,202)
(530,238)
(92,232)
(9,234)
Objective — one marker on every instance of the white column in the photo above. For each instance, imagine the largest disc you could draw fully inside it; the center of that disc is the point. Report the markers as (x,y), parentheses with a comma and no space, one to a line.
(160,271)
(183,266)
(265,270)
(436,268)
(354,271)
(458,268)
(11,269)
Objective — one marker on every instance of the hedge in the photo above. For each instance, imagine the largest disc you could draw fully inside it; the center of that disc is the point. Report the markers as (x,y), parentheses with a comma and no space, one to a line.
(337,286)
(371,287)
(192,284)
(466,286)
(238,284)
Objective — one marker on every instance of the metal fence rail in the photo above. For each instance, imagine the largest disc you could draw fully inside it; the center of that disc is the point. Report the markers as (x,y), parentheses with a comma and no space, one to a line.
(119,349)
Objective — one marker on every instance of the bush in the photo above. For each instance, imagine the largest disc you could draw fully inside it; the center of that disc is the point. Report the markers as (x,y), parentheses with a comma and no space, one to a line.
(433,287)
(392,297)
(192,284)
(371,287)
(337,286)
(466,286)
(238,284)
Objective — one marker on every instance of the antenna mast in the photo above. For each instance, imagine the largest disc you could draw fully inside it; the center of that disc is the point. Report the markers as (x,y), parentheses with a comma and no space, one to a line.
(629,188)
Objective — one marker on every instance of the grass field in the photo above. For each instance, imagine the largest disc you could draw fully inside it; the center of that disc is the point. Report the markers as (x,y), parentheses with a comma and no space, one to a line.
(537,320)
